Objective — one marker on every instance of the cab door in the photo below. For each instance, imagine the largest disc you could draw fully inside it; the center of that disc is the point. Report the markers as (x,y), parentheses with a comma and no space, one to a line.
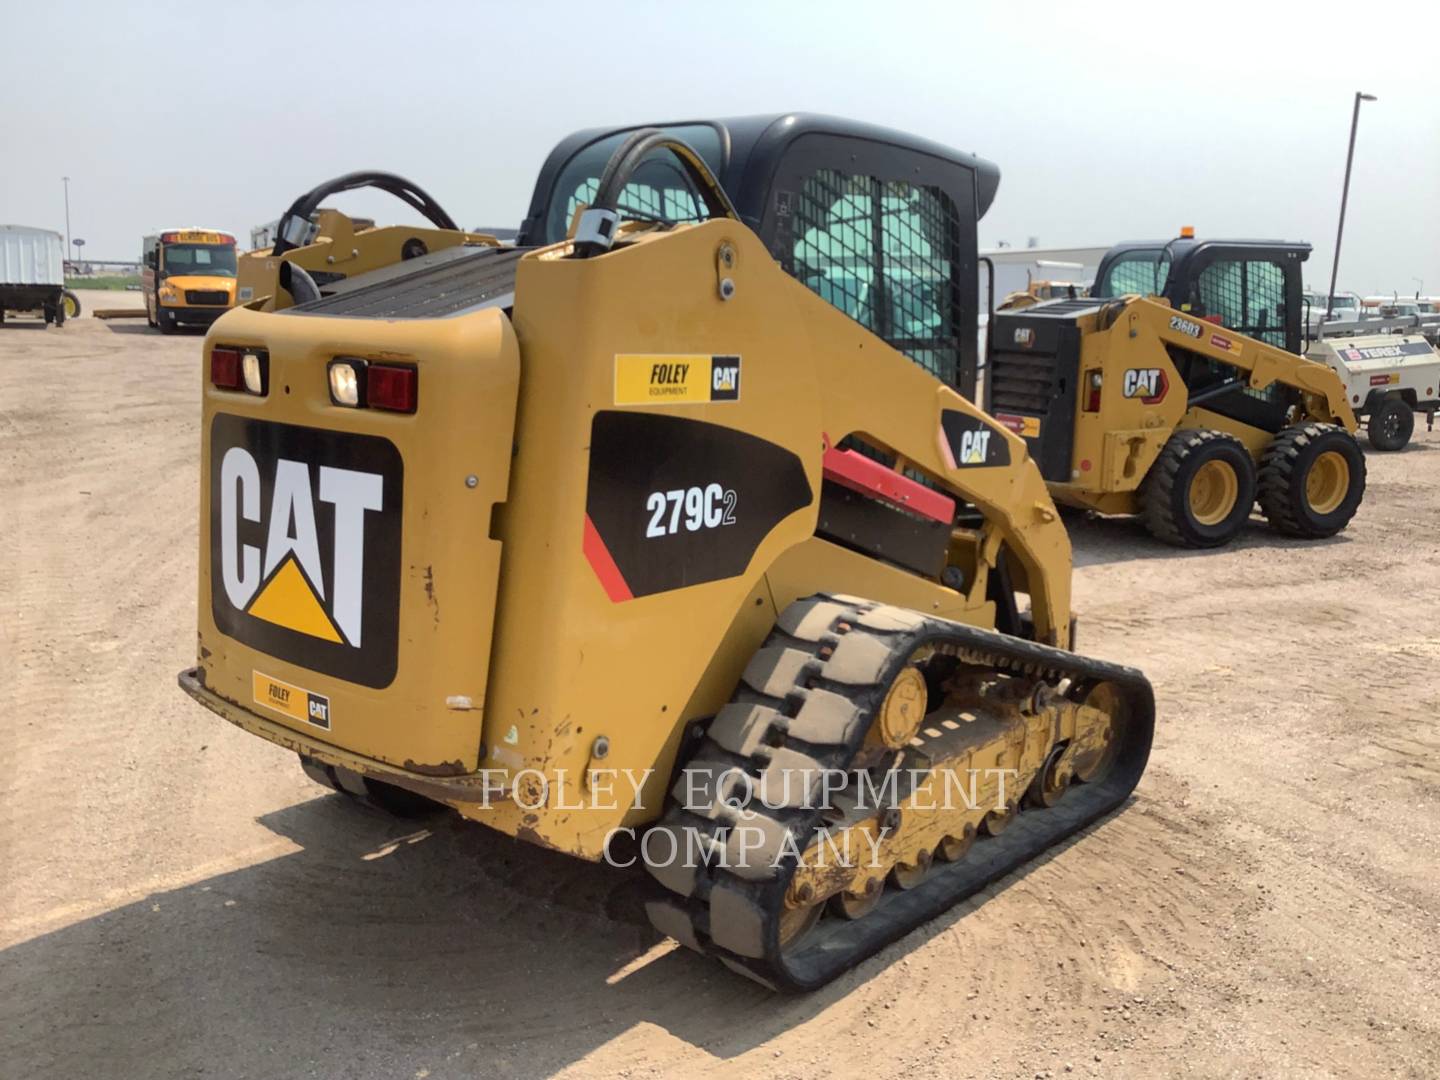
(1254,291)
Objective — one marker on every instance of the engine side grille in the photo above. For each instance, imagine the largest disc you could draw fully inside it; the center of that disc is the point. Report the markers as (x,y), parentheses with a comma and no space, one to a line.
(206,296)
(1022,382)
(1034,371)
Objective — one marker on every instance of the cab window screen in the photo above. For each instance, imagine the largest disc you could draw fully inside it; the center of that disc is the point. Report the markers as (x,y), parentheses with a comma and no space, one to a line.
(1249,298)
(883,252)
(1137,272)
(1265,302)
(1222,293)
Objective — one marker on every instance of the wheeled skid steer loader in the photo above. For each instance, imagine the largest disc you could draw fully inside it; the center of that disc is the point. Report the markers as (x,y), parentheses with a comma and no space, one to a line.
(1176,391)
(670,523)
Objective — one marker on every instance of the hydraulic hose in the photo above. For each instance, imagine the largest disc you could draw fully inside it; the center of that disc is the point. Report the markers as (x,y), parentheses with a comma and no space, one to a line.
(596,231)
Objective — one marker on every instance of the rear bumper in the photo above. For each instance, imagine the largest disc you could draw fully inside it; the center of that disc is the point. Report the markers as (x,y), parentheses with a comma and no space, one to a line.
(194,316)
(469,792)
(1102,502)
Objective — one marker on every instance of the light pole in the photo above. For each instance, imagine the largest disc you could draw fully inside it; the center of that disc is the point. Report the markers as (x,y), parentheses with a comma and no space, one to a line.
(1344,196)
(67,211)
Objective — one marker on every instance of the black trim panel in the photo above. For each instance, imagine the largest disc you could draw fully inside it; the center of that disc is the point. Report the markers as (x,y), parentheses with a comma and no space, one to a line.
(973,443)
(680,502)
(373,662)
(870,527)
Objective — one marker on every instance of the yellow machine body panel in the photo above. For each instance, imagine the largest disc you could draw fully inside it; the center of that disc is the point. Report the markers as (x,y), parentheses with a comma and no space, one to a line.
(318,612)
(340,251)
(1037,291)
(643,542)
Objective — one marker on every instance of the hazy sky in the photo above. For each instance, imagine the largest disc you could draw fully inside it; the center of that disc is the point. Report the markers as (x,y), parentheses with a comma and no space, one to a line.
(1109,122)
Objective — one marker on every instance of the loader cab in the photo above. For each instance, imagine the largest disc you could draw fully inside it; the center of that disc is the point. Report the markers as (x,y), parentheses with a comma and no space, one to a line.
(879,223)
(1253,287)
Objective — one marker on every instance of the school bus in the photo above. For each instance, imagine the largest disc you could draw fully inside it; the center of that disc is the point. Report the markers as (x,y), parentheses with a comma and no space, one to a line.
(188,277)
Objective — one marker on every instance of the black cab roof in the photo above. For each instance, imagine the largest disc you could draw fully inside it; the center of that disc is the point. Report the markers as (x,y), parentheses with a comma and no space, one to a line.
(743,152)
(1186,256)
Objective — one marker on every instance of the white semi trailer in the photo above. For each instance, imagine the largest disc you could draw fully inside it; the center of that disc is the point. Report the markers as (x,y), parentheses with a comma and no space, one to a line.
(32,273)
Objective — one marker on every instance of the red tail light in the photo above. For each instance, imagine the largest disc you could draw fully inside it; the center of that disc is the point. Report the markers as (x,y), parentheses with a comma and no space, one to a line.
(390,387)
(226,369)
(239,368)
(1092,393)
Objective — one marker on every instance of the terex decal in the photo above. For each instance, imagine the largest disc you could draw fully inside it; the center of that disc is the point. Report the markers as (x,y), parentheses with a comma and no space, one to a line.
(673,502)
(305,545)
(1147,384)
(1387,352)
(653,379)
(970,442)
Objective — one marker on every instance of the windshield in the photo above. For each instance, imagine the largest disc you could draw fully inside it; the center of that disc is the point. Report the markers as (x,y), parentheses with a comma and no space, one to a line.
(660,188)
(1343,303)
(1143,271)
(216,260)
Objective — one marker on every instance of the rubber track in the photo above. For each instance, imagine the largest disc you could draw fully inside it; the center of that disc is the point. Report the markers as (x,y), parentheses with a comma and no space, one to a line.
(811,657)
(388,799)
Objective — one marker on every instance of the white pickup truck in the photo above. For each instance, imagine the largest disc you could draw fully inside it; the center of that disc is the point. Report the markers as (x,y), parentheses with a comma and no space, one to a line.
(1390,376)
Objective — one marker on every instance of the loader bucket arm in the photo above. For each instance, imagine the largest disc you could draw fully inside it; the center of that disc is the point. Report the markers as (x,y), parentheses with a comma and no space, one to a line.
(1263,364)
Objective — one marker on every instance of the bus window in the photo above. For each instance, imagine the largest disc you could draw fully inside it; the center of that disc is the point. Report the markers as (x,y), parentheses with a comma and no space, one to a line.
(214,259)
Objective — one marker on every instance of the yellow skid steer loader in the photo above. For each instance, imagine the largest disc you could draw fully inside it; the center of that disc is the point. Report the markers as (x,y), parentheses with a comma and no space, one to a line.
(1176,391)
(672,522)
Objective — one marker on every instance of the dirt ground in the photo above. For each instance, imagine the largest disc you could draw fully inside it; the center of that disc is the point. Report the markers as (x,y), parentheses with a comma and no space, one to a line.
(177,899)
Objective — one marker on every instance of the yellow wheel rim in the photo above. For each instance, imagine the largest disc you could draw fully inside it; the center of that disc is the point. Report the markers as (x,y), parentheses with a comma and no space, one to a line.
(904,708)
(72,307)
(1327,482)
(1093,758)
(1213,491)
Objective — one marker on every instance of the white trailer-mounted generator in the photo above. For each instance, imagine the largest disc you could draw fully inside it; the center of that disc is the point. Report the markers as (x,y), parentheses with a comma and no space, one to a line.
(1389,378)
